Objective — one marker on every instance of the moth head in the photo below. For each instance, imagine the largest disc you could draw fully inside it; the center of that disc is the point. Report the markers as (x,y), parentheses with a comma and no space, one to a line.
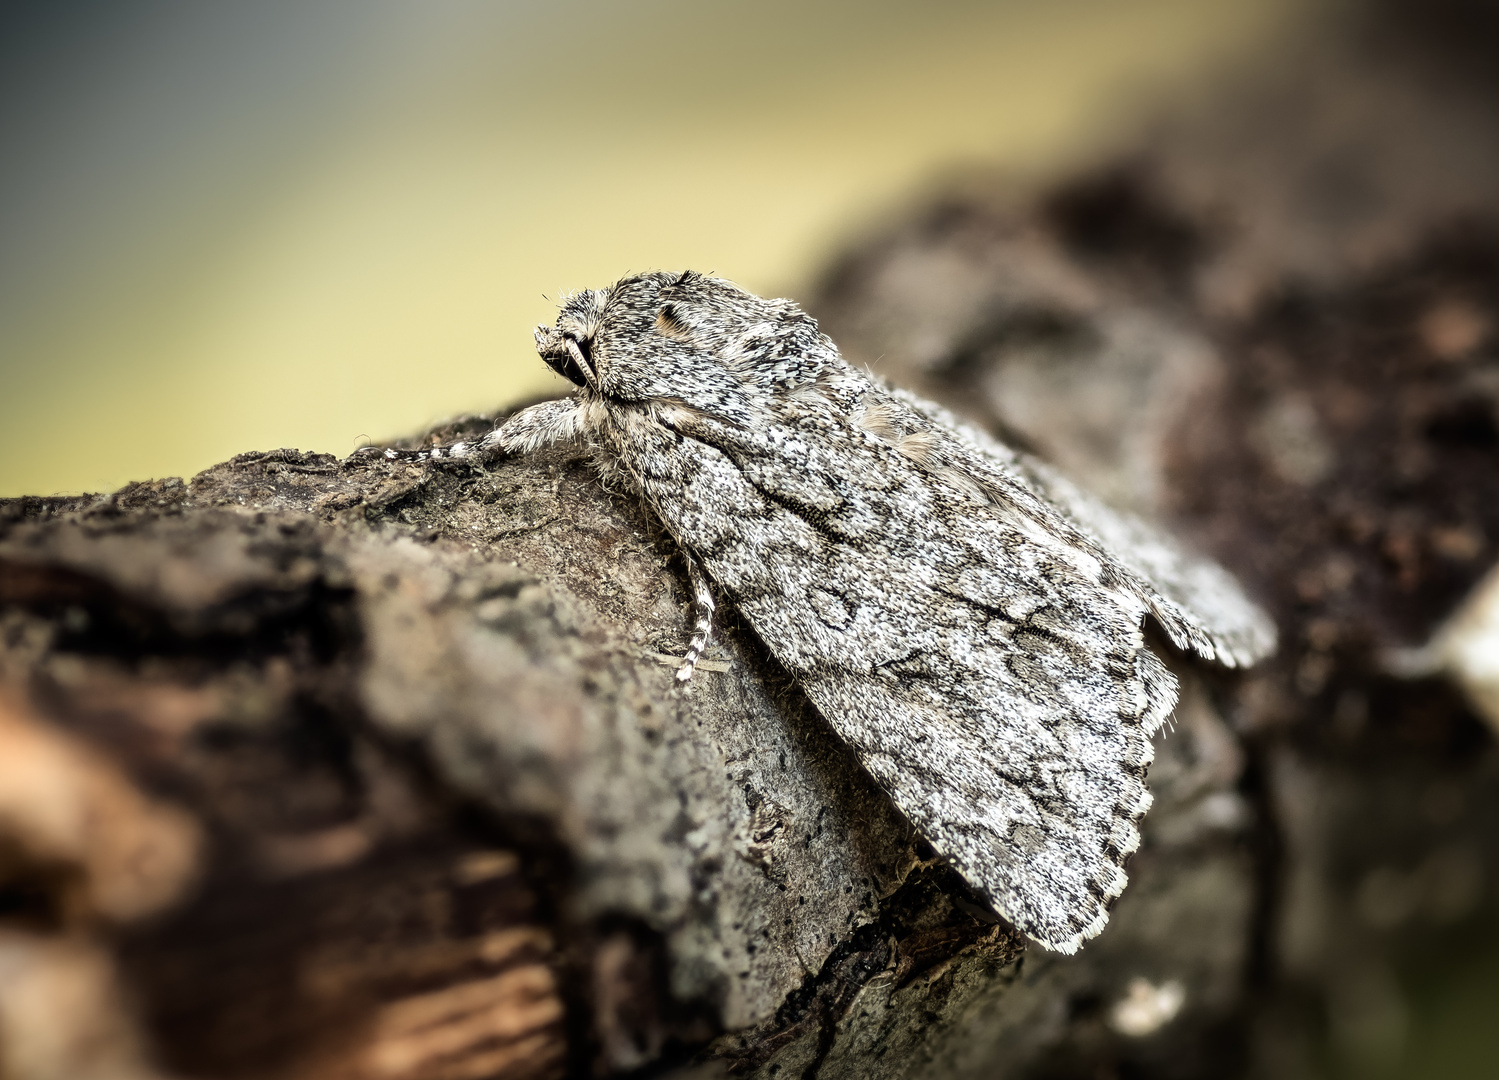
(684,336)
(568,346)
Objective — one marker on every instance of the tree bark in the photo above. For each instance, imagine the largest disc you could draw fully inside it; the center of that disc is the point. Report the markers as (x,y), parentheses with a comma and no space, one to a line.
(365,769)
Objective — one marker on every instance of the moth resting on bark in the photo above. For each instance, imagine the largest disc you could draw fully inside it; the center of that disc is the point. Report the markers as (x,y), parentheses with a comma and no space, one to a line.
(969,621)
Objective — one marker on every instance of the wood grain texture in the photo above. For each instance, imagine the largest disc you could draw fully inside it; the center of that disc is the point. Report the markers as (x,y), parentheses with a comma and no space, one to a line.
(453,819)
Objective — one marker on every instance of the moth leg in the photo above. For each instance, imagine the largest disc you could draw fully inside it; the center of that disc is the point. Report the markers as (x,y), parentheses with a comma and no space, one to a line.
(702,595)
(463,450)
(528,430)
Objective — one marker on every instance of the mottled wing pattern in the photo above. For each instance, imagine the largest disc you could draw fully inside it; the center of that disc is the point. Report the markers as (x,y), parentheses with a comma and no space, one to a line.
(969,621)
(1183,589)
(991,674)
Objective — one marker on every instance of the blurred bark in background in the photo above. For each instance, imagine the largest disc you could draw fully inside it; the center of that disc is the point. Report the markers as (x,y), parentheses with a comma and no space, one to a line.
(354,769)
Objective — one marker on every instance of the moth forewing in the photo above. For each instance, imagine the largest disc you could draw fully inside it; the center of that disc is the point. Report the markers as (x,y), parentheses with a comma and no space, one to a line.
(967,620)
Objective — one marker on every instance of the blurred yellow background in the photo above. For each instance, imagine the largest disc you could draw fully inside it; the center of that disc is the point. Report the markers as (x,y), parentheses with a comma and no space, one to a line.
(229,227)
(233,226)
